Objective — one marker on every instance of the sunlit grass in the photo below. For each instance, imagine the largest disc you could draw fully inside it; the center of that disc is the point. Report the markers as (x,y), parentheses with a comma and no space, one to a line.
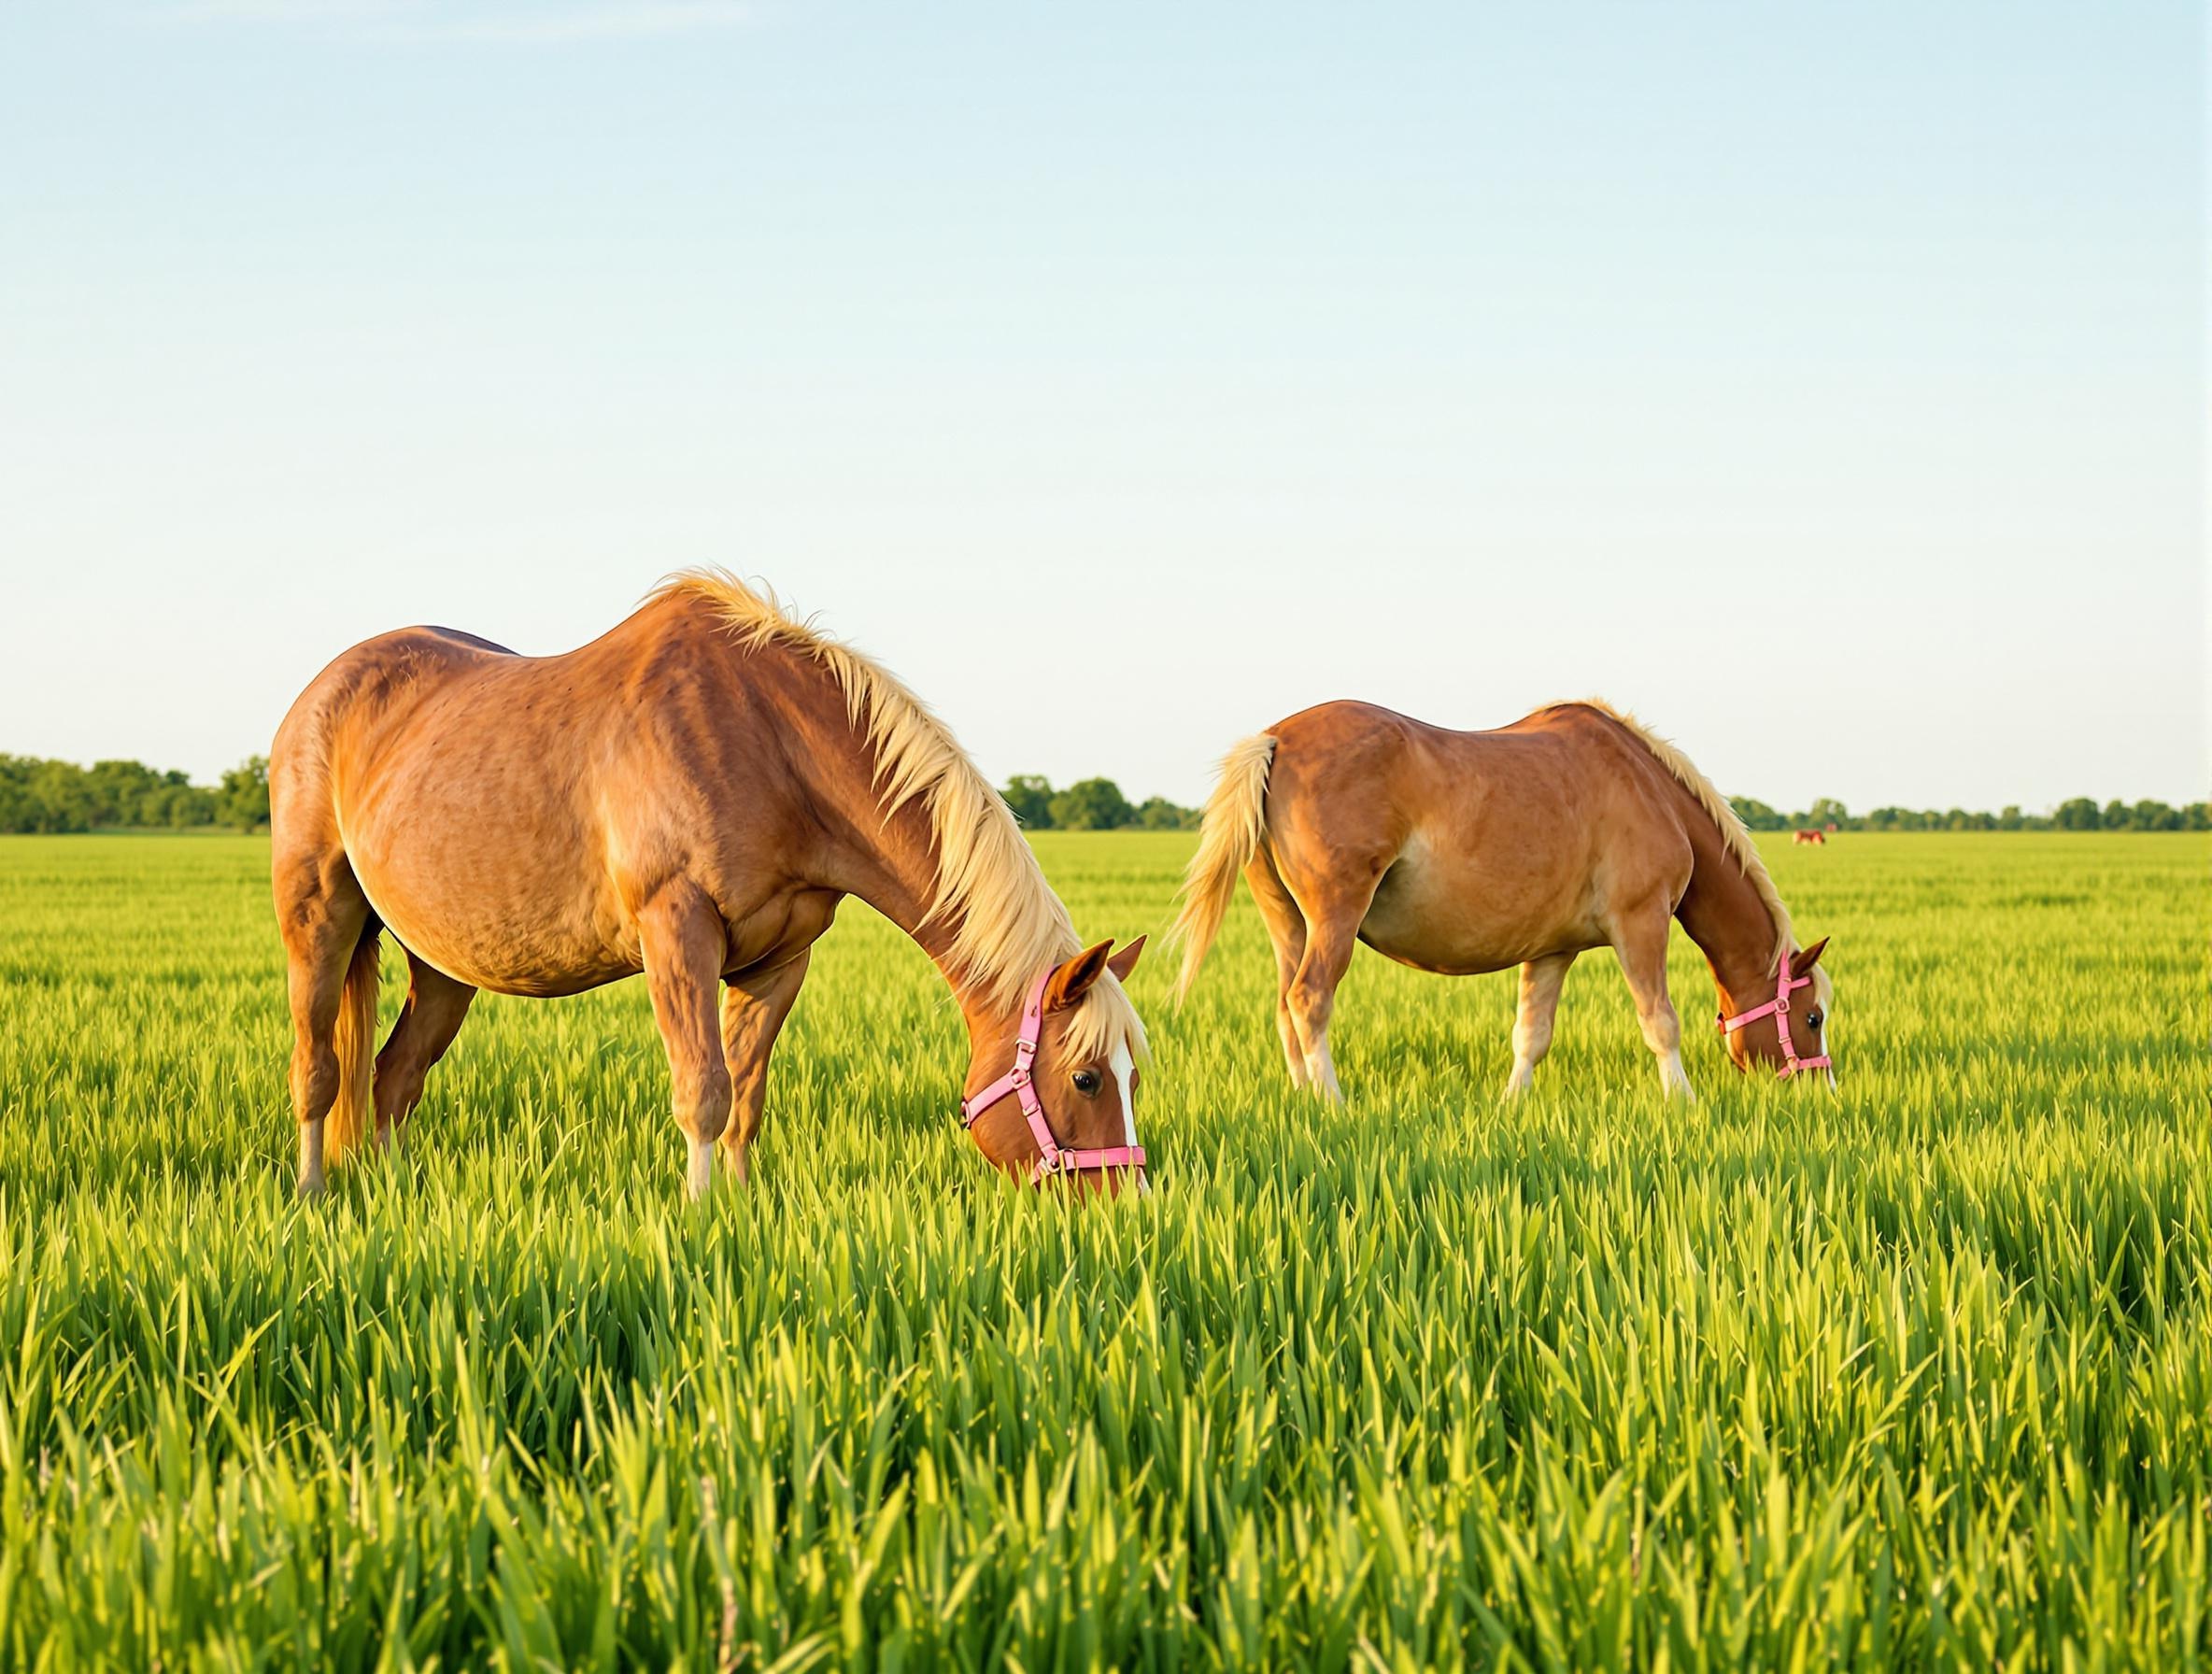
(1918,1373)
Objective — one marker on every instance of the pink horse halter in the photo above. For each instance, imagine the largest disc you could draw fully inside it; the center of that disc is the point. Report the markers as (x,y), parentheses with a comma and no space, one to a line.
(1052,1158)
(1779,1009)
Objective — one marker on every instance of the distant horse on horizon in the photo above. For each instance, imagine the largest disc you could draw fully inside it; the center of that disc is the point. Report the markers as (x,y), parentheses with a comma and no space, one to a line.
(1815,835)
(689,796)
(1466,852)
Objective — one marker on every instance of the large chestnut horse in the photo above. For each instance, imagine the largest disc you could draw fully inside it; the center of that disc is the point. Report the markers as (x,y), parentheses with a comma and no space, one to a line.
(1464,852)
(689,796)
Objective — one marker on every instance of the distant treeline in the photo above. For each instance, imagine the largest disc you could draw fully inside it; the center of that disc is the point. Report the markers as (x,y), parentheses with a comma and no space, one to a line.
(38,795)
(59,796)
(1091,805)
(2080,815)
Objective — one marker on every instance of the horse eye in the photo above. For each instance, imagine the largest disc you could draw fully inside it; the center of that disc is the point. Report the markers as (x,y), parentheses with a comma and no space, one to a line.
(1086,1082)
(1814,1018)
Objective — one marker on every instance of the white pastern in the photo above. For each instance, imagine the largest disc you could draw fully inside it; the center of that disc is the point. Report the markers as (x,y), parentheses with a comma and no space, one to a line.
(310,1156)
(1321,1072)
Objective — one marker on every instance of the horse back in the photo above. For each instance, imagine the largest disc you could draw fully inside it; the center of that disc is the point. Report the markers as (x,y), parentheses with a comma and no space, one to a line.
(373,682)
(1380,775)
(506,814)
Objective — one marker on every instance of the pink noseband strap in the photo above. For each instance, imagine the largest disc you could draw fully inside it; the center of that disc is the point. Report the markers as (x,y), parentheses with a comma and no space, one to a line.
(1778,1008)
(1052,1158)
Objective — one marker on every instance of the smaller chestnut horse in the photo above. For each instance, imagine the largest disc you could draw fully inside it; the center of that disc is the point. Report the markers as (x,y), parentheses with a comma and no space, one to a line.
(1814,836)
(688,796)
(1466,852)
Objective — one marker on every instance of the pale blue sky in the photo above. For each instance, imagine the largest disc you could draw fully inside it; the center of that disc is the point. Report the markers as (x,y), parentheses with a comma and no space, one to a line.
(1824,382)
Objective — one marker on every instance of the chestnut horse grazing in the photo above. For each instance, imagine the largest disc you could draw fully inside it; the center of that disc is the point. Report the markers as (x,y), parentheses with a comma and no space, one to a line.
(689,796)
(1464,852)
(1814,836)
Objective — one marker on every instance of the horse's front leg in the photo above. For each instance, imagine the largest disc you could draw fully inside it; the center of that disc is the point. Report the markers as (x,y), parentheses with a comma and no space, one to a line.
(685,944)
(1639,942)
(753,1007)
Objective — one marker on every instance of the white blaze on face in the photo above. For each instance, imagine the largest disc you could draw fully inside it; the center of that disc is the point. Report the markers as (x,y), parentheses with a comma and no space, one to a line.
(1123,1067)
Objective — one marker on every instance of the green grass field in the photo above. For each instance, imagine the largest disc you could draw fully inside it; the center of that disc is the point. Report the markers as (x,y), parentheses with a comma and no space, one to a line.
(1917,1373)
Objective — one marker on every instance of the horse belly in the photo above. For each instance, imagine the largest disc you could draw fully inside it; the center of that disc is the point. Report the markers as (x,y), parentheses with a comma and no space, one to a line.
(1461,913)
(536,958)
(490,902)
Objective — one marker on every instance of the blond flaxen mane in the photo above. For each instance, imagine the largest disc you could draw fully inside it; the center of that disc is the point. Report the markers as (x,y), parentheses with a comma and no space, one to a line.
(1007,923)
(1734,837)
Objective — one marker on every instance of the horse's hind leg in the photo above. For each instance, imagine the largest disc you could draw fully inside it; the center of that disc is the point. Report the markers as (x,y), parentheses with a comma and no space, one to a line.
(685,944)
(1287,931)
(428,1022)
(1639,942)
(1333,913)
(1541,983)
(323,917)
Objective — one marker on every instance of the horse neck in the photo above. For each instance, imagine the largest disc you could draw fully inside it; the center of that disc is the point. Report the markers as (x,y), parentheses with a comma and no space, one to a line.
(1723,912)
(891,864)
(899,879)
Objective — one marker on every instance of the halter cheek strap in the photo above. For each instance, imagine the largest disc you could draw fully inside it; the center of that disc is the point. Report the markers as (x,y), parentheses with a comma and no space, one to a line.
(1778,1009)
(1052,1158)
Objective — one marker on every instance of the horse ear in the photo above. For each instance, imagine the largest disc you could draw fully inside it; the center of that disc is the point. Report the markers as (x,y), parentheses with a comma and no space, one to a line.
(1122,963)
(1807,958)
(1071,981)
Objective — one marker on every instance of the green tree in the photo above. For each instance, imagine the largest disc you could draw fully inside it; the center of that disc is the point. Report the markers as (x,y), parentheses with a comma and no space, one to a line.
(1031,798)
(118,792)
(244,799)
(62,801)
(2078,813)
(1091,805)
(1826,811)
(1756,815)
(178,806)
(2150,814)
(1157,814)
(18,806)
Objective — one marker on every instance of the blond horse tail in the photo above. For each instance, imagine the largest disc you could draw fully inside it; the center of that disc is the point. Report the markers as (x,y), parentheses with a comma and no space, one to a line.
(1235,825)
(352,1116)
